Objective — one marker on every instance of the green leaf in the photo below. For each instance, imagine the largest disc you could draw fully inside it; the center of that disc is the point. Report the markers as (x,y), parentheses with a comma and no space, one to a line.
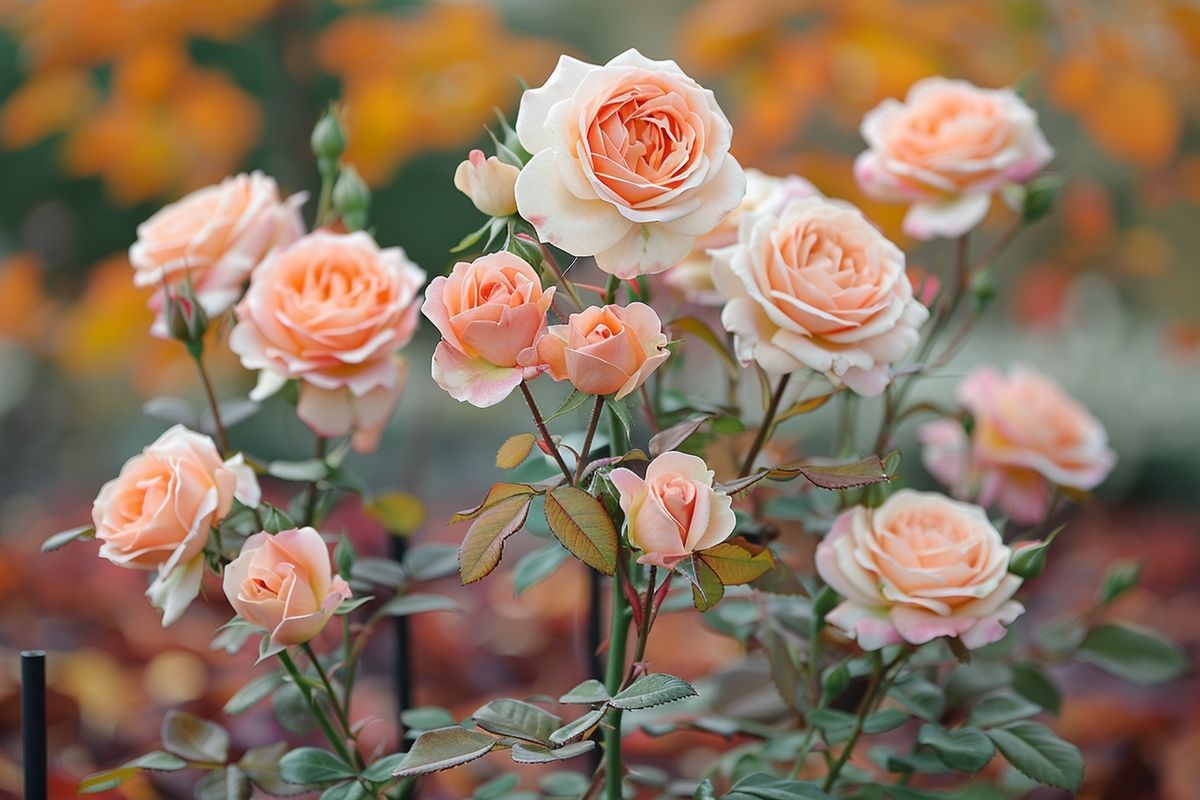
(564,784)
(834,682)
(574,400)
(964,749)
(496,493)
(429,562)
(1001,709)
(865,472)
(350,790)
(312,765)
(705,791)
(577,728)
(253,692)
(63,538)
(268,648)
(194,739)
(707,588)
(380,770)
(444,748)
(514,450)
(261,765)
(590,692)
(157,760)
(484,543)
(1029,561)
(737,561)
(525,753)
(885,720)
(1031,683)
(1120,577)
(583,526)
(1037,752)
(1134,654)
(427,718)
(536,566)
(348,606)
(312,469)
(836,724)
(923,698)
(497,787)
(767,787)
(677,434)
(653,690)
(700,329)
(404,605)
(620,410)
(507,717)
(229,783)
(343,557)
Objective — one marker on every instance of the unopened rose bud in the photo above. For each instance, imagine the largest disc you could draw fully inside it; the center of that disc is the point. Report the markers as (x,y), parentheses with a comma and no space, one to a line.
(489,182)
(352,199)
(328,140)
(186,319)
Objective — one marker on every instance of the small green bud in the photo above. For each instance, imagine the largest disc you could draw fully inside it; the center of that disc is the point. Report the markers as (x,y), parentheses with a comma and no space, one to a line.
(186,319)
(1028,562)
(983,290)
(834,682)
(328,139)
(352,199)
(1120,578)
(1040,195)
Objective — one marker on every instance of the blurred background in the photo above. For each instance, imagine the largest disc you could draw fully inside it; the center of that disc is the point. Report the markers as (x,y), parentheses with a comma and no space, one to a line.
(111,108)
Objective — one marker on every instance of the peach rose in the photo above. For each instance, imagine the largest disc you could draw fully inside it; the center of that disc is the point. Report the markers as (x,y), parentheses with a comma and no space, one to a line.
(285,584)
(158,512)
(489,182)
(918,567)
(1027,437)
(946,149)
(488,312)
(818,286)
(603,349)
(765,194)
(674,511)
(331,311)
(215,235)
(630,162)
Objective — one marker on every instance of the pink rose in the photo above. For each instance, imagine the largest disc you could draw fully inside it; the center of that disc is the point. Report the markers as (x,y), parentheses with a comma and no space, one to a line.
(489,182)
(331,311)
(674,511)
(1027,437)
(765,194)
(158,512)
(918,567)
(818,286)
(630,162)
(488,312)
(285,584)
(945,150)
(215,235)
(603,349)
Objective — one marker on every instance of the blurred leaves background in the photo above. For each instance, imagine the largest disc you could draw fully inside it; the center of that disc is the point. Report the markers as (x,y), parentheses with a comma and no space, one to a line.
(110,108)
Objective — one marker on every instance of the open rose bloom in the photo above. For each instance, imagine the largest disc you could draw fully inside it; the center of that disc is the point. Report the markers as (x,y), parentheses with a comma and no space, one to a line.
(331,311)
(215,236)
(674,511)
(630,162)
(285,584)
(1027,436)
(818,286)
(916,568)
(157,514)
(603,349)
(488,312)
(945,150)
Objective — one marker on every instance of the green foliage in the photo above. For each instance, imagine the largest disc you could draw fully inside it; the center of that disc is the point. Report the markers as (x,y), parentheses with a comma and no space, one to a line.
(964,749)
(583,527)
(1038,753)
(1135,654)
(444,748)
(652,690)
(313,766)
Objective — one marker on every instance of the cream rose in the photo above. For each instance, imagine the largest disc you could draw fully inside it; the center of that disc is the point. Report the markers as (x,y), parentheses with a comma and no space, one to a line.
(1027,436)
(488,312)
(331,311)
(765,194)
(918,567)
(489,182)
(946,149)
(215,236)
(285,584)
(157,514)
(818,286)
(603,349)
(630,162)
(674,511)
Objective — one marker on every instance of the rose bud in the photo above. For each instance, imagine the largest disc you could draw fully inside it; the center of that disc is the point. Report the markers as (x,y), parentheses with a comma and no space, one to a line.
(603,349)
(489,183)
(674,511)
(285,584)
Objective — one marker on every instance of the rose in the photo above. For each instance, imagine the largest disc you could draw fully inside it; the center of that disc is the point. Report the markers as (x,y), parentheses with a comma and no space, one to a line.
(946,149)
(285,584)
(214,236)
(331,311)
(764,194)
(1027,435)
(489,183)
(630,162)
(488,312)
(603,349)
(675,510)
(918,567)
(817,286)
(158,512)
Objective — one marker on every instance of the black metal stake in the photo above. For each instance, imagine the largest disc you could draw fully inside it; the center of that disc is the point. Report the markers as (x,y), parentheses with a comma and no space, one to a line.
(402,668)
(33,723)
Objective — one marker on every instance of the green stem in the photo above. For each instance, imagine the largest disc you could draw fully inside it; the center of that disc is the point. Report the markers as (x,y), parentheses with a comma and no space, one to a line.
(545,432)
(864,708)
(586,450)
(639,651)
(310,494)
(322,719)
(213,405)
(610,289)
(613,675)
(764,430)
